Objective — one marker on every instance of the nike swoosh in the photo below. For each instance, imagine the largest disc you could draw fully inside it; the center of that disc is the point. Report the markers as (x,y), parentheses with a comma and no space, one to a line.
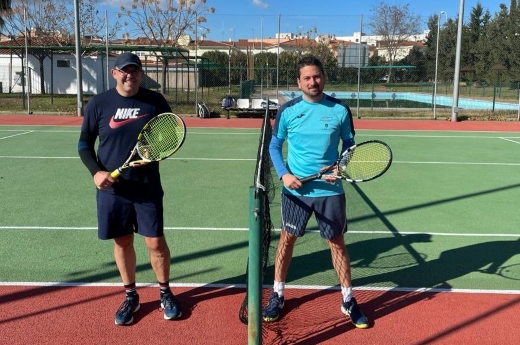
(113,124)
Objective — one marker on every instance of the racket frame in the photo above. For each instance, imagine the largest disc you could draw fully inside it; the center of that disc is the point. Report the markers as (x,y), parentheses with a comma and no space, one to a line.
(329,168)
(136,163)
(324,174)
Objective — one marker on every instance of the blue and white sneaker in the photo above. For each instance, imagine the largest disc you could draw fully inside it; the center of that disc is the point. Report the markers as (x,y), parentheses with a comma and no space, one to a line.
(170,306)
(125,313)
(272,310)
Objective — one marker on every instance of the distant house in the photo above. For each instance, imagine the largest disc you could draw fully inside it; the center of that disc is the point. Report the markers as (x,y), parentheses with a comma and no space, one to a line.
(372,40)
(402,50)
(207,46)
(54,71)
(299,45)
(49,70)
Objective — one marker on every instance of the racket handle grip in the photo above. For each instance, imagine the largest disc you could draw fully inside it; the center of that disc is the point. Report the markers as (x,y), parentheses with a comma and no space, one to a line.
(115,173)
(310,178)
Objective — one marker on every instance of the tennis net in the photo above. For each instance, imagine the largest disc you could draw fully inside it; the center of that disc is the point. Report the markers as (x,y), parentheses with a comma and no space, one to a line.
(264,189)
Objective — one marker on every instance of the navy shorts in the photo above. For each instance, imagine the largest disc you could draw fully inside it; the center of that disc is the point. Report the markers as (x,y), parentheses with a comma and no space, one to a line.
(330,213)
(134,210)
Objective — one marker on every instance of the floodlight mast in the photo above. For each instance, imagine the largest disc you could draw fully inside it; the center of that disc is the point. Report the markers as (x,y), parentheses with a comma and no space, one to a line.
(455,106)
(437,64)
(79,67)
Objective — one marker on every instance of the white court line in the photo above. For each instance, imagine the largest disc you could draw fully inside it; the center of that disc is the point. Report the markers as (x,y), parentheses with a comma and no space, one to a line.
(15,135)
(41,131)
(363,132)
(253,132)
(95,228)
(225,133)
(432,131)
(171,158)
(370,232)
(36,157)
(243,286)
(254,159)
(507,139)
(440,136)
(456,163)
(212,159)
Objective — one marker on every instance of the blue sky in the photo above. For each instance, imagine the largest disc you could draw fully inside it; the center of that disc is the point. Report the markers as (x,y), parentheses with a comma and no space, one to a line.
(234,19)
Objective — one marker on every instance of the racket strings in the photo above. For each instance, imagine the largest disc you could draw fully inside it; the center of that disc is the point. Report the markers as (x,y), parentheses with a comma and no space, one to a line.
(161,138)
(367,161)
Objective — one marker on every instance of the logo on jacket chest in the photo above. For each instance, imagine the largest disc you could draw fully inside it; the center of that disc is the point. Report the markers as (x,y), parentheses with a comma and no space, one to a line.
(326,122)
(124,116)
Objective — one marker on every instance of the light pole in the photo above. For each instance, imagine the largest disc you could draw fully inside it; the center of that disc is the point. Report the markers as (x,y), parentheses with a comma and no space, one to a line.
(79,72)
(229,68)
(196,63)
(229,60)
(456,77)
(437,64)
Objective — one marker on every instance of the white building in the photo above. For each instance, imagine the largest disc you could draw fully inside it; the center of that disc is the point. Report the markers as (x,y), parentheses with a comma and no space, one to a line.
(59,76)
(372,40)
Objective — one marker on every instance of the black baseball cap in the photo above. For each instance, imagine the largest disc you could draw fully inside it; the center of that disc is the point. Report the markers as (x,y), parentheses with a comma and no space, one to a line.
(126,59)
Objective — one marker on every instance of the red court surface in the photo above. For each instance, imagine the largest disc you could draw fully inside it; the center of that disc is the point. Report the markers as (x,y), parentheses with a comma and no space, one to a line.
(419,125)
(85,314)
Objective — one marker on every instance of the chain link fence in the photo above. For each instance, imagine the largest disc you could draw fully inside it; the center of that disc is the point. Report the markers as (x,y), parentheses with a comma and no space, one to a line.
(261,66)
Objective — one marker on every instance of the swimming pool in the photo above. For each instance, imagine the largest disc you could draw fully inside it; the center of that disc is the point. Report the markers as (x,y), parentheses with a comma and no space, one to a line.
(464,103)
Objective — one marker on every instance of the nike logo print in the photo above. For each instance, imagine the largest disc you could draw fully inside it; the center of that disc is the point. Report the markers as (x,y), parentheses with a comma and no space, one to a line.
(124,117)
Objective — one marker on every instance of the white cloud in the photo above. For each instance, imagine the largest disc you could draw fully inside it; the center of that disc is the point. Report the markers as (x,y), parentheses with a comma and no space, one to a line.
(260,3)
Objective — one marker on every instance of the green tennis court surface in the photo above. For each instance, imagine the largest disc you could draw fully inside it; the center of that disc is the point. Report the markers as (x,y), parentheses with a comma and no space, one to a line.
(444,216)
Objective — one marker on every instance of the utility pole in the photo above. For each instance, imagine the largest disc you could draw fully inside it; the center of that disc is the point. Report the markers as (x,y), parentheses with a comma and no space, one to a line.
(79,66)
(455,107)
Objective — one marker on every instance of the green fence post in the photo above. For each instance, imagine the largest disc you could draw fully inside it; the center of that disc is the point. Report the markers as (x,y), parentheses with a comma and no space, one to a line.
(494,96)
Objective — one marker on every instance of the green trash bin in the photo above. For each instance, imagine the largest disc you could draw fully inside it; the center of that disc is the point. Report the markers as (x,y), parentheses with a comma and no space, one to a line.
(247,87)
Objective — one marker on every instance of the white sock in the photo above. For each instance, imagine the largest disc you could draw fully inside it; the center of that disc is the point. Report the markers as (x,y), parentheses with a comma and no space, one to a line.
(346,292)
(278,287)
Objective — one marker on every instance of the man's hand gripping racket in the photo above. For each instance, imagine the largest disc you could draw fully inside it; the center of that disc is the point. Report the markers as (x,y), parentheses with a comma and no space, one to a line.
(359,163)
(160,138)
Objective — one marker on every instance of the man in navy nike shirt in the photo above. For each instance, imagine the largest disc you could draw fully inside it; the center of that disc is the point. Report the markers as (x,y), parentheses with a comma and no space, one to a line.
(133,202)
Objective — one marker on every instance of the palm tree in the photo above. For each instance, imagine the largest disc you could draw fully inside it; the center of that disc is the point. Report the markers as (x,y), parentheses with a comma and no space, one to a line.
(4,5)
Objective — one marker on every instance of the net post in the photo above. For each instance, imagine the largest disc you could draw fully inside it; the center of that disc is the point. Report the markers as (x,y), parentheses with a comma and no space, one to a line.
(254,286)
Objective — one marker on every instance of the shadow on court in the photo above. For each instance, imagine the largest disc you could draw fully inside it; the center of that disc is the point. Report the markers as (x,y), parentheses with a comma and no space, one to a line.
(407,269)
(394,262)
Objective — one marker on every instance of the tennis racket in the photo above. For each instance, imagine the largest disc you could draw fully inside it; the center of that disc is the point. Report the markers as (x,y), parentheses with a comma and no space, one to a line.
(359,163)
(160,138)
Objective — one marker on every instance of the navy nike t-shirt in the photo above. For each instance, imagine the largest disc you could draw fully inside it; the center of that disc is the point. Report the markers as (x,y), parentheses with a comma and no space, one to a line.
(116,121)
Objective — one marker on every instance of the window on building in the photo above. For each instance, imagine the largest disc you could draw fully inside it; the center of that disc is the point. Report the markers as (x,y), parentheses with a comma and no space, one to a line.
(63,63)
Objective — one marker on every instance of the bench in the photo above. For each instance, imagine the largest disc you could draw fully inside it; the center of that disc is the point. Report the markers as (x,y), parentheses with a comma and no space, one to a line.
(255,106)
